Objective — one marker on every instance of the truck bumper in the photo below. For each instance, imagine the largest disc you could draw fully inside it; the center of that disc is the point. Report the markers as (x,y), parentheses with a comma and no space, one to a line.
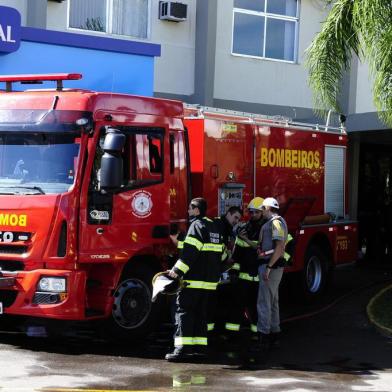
(19,294)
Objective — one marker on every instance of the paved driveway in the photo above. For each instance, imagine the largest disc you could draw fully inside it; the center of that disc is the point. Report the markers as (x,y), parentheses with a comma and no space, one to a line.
(336,349)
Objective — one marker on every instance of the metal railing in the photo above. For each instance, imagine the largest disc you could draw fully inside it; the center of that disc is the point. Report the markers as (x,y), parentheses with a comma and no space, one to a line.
(197,111)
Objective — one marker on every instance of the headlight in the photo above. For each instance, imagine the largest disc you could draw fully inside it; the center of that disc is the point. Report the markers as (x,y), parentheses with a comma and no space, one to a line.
(52,284)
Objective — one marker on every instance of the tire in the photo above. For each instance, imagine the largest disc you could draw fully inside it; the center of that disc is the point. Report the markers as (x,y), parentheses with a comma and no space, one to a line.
(316,274)
(133,314)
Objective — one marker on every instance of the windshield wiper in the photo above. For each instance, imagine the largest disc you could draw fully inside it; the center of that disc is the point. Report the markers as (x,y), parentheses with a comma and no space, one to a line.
(38,189)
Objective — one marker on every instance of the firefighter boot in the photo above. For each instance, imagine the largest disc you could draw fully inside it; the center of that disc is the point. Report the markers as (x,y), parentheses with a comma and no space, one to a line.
(180,354)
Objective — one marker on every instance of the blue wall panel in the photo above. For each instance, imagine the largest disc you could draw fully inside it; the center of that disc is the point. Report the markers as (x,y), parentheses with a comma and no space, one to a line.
(102,70)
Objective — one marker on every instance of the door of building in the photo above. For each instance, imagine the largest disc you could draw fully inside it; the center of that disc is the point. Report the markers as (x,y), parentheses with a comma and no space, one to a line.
(375,201)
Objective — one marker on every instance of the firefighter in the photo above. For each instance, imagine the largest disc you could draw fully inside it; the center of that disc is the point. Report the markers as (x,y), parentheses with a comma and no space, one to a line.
(273,238)
(225,224)
(199,266)
(245,269)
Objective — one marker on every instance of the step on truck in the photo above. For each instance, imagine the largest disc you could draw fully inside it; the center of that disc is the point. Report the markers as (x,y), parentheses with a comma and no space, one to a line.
(92,184)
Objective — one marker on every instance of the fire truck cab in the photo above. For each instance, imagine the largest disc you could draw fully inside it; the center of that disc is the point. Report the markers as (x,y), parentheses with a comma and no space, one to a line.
(89,186)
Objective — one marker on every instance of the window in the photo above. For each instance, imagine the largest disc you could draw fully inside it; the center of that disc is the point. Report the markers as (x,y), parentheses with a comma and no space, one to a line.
(266,28)
(45,161)
(122,17)
(143,158)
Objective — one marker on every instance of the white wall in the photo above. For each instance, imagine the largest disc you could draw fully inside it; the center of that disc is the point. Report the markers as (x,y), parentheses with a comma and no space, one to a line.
(264,81)
(20,5)
(57,16)
(364,95)
(174,70)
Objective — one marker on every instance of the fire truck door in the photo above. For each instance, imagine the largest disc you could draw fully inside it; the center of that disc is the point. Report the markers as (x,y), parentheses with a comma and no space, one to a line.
(115,225)
(178,181)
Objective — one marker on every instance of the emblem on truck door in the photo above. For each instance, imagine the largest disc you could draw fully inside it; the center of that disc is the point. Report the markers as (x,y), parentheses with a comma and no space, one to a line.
(99,215)
(141,204)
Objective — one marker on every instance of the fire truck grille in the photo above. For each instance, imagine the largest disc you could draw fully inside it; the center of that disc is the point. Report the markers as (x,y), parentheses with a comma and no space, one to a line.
(8,265)
(8,297)
(46,298)
(17,250)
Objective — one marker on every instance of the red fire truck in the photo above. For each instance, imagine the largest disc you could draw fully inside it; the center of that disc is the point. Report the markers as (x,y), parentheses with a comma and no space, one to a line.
(92,184)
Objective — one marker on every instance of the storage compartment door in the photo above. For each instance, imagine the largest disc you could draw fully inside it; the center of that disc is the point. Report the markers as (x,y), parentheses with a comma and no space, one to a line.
(335,163)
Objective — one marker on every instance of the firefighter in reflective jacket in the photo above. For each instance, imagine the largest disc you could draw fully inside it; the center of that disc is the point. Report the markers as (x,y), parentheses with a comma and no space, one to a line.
(199,266)
(244,271)
(225,224)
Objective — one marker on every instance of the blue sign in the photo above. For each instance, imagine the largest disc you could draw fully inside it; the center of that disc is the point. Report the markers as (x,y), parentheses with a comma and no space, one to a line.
(10,29)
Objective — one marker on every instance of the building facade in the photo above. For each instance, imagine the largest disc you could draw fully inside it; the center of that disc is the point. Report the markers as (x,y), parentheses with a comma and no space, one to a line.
(246,55)
(237,54)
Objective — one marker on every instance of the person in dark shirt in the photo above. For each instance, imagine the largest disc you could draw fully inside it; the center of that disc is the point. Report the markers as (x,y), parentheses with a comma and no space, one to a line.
(225,224)
(199,266)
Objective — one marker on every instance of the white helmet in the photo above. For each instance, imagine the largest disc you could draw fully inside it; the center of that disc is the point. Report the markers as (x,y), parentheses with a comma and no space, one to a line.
(163,283)
(271,202)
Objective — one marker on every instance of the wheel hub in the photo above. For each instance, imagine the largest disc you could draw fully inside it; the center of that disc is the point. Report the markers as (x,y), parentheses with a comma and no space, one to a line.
(133,304)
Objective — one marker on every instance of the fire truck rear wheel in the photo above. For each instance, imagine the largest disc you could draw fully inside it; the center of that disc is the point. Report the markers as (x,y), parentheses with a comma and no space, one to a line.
(133,314)
(315,274)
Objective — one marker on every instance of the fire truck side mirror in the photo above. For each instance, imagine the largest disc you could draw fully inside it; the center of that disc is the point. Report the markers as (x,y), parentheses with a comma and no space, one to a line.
(111,174)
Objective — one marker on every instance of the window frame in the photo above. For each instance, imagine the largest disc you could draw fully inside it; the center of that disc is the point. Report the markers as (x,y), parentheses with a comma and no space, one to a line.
(266,15)
(109,23)
(157,132)
(172,153)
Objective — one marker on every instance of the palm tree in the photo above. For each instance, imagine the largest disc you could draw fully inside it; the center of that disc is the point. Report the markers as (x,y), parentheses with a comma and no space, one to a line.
(353,27)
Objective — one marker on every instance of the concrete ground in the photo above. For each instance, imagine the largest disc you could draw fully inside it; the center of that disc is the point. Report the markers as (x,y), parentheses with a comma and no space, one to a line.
(332,347)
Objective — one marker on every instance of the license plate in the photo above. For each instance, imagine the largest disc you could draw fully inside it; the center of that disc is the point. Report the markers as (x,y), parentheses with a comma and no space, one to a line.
(1,308)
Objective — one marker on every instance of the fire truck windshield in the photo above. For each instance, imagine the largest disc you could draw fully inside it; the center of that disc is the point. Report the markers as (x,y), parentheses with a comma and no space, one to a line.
(38,163)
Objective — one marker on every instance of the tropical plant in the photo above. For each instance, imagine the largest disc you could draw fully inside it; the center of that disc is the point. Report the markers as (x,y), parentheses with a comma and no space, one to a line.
(353,27)
(94,24)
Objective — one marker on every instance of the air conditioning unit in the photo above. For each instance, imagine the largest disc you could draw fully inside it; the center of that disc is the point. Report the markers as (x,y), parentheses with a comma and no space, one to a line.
(173,11)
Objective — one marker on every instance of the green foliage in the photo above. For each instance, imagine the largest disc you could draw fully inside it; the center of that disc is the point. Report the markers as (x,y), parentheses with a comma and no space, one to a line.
(94,24)
(360,27)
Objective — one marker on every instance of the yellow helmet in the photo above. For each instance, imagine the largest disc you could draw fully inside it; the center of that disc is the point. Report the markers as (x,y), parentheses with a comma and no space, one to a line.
(256,203)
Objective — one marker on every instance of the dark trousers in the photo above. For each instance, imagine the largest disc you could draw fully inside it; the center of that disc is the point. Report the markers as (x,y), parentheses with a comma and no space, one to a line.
(244,305)
(191,319)
(212,310)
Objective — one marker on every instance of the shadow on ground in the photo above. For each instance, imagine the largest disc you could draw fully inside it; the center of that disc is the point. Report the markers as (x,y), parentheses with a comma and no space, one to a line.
(332,337)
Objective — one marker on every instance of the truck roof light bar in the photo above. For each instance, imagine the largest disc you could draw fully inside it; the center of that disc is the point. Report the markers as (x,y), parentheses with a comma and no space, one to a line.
(39,79)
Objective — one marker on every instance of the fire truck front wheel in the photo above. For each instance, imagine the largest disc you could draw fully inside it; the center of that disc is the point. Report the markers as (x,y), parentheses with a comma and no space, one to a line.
(133,314)
(316,271)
